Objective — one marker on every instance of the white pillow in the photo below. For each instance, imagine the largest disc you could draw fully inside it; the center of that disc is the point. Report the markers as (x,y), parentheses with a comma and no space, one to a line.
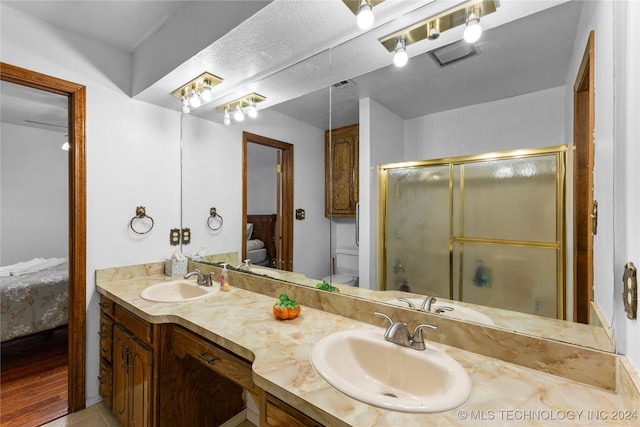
(254,244)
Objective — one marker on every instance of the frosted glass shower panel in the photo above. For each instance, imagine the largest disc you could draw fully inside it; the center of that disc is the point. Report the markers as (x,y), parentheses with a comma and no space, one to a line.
(511,199)
(517,278)
(417,230)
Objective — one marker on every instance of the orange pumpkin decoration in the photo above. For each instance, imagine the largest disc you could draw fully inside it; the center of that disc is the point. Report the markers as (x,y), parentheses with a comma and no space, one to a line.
(286,308)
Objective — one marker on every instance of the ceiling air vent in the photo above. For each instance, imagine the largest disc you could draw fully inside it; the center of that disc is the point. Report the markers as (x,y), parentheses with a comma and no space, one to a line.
(453,52)
(343,84)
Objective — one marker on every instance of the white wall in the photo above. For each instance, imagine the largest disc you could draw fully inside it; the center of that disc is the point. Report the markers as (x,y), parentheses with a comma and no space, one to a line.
(382,135)
(35,196)
(133,153)
(212,177)
(626,56)
(262,184)
(530,120)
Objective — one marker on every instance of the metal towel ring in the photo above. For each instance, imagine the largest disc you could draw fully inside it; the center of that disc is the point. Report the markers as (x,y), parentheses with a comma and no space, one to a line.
(141,214)
(213,214)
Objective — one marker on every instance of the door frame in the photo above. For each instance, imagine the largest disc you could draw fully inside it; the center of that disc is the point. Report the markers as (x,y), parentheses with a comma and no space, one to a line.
(583,200)
(287,194)
(76,95)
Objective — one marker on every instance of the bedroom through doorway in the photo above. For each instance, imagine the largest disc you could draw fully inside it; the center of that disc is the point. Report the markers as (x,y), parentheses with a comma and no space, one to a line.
(267,188)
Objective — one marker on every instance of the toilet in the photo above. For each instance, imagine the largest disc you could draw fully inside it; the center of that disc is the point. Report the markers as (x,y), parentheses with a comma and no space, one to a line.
(345,267)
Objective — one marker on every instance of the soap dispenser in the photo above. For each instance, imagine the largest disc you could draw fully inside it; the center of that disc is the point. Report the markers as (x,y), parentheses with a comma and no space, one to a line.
(224,280)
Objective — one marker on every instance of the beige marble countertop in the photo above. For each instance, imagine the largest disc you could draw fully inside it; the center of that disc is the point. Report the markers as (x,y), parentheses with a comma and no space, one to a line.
(504,394)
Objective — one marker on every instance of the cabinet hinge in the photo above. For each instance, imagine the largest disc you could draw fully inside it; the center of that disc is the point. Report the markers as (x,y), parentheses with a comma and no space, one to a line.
(278,168)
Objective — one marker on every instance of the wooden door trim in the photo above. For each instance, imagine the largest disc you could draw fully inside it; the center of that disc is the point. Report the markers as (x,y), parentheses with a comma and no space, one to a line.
(287,193)
(583,163)
(77,217)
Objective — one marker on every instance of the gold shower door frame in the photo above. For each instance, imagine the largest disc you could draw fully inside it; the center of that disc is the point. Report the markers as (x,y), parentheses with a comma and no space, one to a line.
(559,245)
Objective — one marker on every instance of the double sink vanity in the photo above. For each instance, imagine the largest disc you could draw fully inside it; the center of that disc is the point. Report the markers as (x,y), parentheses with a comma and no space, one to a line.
(177,354)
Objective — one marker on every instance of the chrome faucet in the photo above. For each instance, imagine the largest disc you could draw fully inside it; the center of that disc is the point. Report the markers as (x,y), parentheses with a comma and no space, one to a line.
(398,333)
(245,266)
(427,303)
(203,279)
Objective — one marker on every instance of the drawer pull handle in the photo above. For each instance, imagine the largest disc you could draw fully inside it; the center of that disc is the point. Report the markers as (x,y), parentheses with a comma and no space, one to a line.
(104,304)
(205,357)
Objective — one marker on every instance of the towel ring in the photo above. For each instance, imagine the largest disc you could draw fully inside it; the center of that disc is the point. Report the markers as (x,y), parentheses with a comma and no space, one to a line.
(140,214)
(213,214)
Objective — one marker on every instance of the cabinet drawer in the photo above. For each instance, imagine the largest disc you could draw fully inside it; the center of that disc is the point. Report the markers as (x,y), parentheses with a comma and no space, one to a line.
(138,327)
(216,358)
(279,414)
(106,338)
(106,306)
(105,383)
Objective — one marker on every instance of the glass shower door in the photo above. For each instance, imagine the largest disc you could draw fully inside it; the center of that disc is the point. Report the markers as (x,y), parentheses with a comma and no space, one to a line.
(418,229)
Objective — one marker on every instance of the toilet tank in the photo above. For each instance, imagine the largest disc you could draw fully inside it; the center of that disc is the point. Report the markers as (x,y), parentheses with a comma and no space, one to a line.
(347,261)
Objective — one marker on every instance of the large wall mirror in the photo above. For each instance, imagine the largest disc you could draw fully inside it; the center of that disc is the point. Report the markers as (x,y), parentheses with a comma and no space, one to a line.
(511,90)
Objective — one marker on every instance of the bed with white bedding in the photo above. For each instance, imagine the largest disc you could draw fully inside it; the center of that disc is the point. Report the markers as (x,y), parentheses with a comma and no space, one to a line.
(34,297)
(261,248)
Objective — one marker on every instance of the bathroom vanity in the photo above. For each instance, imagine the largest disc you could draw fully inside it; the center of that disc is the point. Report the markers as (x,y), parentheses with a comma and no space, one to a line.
(189,363)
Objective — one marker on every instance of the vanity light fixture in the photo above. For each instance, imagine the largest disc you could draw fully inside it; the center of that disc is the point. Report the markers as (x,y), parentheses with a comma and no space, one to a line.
(363,9)
(400,58)
(365,15)
(197,92)
(194,99)
(467,14)
(240,106)
(185,105)
(473,30)
(239,114)
(252,111)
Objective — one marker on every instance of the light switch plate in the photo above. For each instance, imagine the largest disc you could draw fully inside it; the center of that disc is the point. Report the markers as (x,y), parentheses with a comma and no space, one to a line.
(300,214)
(174,236)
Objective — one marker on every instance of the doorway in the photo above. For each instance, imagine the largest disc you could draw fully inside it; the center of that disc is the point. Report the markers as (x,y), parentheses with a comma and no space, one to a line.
(280,195)
(75,94)
(584,205)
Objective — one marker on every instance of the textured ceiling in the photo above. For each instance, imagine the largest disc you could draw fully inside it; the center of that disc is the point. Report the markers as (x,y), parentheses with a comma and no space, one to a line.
(292,51)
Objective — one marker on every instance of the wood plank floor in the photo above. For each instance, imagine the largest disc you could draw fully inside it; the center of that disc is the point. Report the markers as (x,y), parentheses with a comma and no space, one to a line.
(33,379)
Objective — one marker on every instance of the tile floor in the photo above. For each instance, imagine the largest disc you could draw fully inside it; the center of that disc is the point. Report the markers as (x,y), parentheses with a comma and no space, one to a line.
(99,416)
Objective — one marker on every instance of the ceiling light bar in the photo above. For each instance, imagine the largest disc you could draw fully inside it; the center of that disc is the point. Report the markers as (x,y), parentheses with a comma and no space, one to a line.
(431,28)
(354,5)
(238,106)
(196,92)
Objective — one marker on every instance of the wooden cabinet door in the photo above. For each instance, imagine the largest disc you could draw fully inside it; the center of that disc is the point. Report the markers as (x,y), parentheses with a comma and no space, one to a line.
(341,174)
(106,338)
(120,376)
(141,360)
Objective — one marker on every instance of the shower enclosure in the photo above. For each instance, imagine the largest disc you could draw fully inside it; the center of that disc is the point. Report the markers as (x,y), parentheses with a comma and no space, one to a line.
(486,229)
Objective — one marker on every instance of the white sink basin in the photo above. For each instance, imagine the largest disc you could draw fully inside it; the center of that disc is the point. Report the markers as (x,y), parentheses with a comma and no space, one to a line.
(178,291)
(361,364)
(448,309)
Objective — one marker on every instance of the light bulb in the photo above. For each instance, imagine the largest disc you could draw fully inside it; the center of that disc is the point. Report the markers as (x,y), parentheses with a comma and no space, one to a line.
(206,93)
(227,117)
(252,111)
(400,58)
(66,146)
(365,16)
(238,115)
(186,109)
(194,99)
(473,31)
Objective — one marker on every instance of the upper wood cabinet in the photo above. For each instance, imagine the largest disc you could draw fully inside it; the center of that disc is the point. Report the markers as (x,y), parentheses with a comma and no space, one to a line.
(341,171)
